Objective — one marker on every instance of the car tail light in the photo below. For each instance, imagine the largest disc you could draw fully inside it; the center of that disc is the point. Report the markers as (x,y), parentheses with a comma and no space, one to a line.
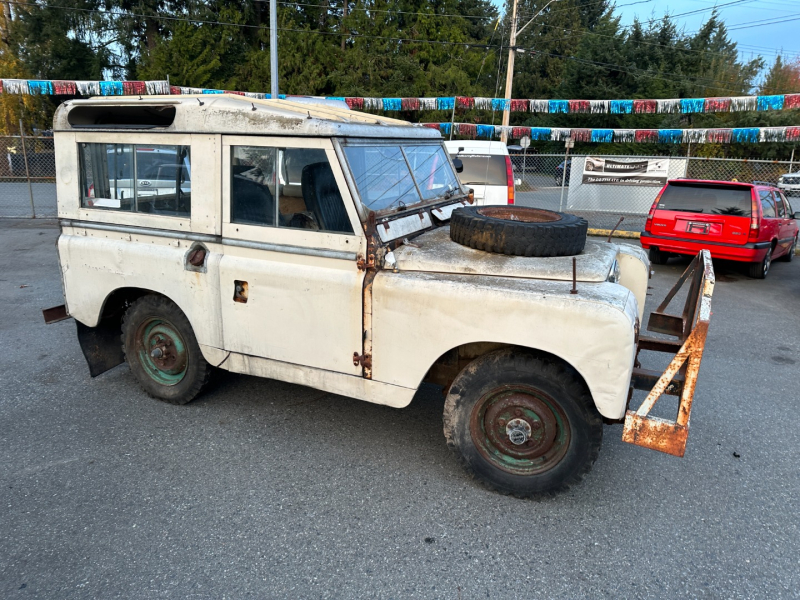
(648,225)
(510,180)
(755,223)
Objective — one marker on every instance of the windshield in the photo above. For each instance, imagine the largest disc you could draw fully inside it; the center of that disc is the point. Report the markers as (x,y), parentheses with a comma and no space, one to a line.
(396,177)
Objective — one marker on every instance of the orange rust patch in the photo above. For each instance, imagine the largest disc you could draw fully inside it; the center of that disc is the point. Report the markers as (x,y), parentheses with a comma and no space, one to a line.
(523,214)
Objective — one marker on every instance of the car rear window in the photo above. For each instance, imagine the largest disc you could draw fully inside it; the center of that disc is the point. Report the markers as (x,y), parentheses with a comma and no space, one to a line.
(707,199)
(483,169)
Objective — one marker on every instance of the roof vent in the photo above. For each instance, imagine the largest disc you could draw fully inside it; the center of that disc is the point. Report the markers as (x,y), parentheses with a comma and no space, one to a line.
(135,116)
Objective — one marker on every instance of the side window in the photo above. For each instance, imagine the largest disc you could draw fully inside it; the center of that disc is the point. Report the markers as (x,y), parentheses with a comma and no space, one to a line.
(779,205)
(152,179)
(789,210)
(767,204)
(286,187)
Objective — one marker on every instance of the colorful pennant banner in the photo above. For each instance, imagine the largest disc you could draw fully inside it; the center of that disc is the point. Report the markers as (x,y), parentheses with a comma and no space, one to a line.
(653,136)
(614,107)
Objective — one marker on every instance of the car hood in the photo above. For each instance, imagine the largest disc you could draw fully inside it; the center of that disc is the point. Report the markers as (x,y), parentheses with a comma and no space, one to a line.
(435,252)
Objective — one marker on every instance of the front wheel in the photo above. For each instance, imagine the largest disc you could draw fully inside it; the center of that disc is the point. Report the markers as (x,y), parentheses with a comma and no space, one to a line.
(162,351)
(522,424)
(759,270)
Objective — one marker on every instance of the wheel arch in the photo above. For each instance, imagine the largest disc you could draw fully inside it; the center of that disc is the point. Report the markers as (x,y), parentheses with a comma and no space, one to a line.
(447,366)
(101,344)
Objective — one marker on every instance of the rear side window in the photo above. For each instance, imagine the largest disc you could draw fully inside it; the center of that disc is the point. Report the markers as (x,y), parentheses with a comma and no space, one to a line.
(789,209)
(779,203)
(767,204)
(707,199)
(148,178)
(483,169)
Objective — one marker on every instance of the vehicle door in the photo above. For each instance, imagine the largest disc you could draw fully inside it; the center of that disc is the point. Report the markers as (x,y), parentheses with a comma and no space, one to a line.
(291,289)
(771,224)
(788,224)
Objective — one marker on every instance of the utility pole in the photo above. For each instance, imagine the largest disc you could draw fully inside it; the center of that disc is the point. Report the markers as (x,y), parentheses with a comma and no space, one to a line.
(344,16)
(511,52)
(273,49)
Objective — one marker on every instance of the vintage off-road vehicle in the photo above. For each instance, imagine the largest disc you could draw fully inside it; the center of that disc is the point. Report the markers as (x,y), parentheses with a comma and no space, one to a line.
(336,249)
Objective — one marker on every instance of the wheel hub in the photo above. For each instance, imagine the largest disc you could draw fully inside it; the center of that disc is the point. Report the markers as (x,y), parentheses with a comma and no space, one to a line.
(162,351)
(523,431)
(518,431)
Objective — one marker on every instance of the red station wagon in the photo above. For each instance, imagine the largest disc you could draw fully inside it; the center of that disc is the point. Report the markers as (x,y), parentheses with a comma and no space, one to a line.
(745,222)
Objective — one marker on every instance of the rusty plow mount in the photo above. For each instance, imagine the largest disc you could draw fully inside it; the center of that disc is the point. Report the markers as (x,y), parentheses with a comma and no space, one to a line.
(689,330)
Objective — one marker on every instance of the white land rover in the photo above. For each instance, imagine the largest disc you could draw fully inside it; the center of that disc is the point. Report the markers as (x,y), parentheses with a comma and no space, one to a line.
(336,249)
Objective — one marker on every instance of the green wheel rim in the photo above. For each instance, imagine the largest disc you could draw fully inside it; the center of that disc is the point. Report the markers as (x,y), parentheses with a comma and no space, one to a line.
(161,351)
(520,429)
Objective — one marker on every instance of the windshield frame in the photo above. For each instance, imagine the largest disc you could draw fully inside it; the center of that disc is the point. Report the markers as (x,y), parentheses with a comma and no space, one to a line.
(364,211)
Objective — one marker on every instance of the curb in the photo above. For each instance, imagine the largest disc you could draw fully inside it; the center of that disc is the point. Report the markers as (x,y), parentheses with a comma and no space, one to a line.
(634,235)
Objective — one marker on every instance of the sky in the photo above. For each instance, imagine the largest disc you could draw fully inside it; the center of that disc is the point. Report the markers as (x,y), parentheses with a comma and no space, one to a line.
(759,27)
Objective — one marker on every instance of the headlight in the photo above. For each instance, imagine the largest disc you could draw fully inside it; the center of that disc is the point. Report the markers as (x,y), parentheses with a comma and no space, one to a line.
(613,274)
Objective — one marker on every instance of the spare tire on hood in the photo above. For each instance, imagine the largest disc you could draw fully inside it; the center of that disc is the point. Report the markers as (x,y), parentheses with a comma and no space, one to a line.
(518,230)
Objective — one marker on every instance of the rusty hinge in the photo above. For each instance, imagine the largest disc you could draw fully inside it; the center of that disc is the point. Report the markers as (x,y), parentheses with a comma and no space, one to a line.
(365,360)
(364,264)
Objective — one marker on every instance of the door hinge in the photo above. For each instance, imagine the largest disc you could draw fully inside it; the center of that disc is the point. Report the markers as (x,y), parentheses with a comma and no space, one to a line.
(364,360)
(364,264)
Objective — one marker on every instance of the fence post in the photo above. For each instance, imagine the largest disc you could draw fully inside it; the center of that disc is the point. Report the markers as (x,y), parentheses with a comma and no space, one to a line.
(27,170)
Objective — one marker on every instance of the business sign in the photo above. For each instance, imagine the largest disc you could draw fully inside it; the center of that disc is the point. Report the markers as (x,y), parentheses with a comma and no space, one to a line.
(644,172)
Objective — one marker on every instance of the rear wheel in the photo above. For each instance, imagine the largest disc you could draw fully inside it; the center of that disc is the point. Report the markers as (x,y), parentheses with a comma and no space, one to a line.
(162,351)
(522,424)
(759,270)
(657,257)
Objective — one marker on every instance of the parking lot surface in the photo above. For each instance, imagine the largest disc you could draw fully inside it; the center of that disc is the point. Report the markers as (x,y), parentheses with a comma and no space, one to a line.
(270,490)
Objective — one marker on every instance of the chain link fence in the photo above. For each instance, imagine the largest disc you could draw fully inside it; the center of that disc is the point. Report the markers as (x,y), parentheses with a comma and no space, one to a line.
(599,188)
(27,177)
(603,189)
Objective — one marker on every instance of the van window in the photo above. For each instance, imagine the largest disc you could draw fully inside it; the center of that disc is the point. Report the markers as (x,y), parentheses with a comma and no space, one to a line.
(767,204)
(483,169)
(286,187)
(150,178)
(779,204)
(713,199)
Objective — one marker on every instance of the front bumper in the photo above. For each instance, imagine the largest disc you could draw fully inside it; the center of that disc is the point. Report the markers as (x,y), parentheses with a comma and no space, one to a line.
(753,252)
(689,332)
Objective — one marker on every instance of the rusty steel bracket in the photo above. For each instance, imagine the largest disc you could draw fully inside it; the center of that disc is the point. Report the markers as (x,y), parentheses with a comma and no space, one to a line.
(680,377)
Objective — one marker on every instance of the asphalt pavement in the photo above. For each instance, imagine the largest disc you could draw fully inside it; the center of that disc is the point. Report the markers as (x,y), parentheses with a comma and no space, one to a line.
(262,489)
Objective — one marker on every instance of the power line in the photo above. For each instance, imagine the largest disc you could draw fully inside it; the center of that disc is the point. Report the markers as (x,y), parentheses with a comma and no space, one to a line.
(365,36)
(377,10)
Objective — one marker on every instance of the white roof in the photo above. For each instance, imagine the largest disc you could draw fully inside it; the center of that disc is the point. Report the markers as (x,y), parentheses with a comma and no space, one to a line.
(235,114)
(476,147)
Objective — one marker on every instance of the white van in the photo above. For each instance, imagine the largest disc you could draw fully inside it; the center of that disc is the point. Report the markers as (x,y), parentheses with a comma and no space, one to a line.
(487,170)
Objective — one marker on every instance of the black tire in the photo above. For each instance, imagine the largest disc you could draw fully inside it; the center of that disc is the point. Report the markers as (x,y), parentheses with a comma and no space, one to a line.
(657,257)
(759,270)
(789,256)
(518,231)
(180,373)
(535,389)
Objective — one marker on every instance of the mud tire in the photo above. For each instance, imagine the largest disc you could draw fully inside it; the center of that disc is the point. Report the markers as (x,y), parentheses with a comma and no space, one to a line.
(509,368)
(197,371)
(547,233)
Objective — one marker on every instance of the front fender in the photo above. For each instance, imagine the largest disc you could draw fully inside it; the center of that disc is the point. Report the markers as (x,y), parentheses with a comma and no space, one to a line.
(419,316)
